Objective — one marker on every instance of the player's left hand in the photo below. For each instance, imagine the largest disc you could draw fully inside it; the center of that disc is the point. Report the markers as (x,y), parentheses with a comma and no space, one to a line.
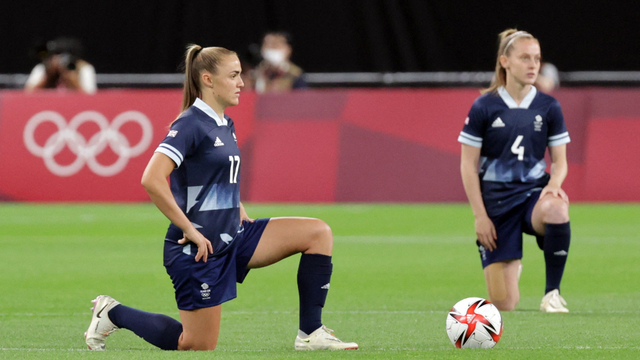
(555,191)
(244,216)
(204,245)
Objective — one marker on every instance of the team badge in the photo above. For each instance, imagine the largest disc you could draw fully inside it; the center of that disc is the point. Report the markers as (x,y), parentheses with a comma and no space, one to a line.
(537,123)
(205,292)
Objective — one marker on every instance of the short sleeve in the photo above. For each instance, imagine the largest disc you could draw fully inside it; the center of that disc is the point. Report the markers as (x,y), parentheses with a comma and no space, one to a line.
(558,134)
(180,140)
(473,131)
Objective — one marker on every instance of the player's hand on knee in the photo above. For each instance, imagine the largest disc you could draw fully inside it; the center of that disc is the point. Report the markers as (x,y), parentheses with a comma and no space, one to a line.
(486,232)
(204,245)
(555,191)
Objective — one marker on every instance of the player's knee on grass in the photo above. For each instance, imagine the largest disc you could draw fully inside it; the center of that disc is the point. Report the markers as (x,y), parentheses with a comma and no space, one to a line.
(503,300)
(203,344)
(503,293)
(198,346)
(504,305)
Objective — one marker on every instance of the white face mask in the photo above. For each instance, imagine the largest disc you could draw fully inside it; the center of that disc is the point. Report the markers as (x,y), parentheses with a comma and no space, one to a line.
(274,56)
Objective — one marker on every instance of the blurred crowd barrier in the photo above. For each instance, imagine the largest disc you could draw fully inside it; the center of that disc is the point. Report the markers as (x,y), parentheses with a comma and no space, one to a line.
(348,145)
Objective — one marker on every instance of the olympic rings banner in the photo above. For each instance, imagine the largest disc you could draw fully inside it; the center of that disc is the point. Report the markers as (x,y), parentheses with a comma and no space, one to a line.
(355,145)
(74,147)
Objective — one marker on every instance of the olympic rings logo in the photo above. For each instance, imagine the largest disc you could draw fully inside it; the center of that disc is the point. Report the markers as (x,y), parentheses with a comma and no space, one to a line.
(86,151)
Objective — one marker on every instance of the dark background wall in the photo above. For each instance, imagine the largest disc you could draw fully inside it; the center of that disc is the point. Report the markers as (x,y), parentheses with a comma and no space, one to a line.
(136,36)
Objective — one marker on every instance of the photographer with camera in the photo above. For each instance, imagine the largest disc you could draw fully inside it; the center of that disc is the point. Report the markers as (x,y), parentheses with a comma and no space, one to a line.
(62,68)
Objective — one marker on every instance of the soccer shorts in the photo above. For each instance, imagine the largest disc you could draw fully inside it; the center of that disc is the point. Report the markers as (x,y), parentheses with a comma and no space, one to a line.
(200,285)
(509,227)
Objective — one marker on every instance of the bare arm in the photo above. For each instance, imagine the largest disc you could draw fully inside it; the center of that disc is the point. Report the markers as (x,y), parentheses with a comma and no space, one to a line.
(559,170)
(485,230)
(154,180)
(243,215)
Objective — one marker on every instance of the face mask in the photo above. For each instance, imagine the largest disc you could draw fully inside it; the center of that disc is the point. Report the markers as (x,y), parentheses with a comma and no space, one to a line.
(274,56)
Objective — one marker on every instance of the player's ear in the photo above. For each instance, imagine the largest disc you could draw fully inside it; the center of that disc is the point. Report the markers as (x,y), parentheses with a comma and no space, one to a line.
(503,61)
(207,79)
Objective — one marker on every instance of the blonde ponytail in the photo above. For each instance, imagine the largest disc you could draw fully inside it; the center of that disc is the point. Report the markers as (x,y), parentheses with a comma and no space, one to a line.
(191,87)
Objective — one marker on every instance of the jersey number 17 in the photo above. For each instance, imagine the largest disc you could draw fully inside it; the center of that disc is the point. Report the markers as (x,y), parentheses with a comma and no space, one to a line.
(234,168)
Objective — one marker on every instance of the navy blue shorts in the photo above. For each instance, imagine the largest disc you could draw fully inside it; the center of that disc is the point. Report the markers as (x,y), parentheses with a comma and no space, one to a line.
(201,285)
(509,228)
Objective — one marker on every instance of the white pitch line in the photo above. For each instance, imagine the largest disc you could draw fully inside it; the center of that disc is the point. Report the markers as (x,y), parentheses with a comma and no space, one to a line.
(430,239)
(350,312)
(444,348)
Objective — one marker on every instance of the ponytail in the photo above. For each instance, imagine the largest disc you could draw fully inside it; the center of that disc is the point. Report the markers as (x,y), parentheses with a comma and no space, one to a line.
(191,87)
(505,42)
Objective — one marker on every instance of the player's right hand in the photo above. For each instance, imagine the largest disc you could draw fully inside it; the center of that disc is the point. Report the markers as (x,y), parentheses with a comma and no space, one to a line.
(486,232)
(204,245)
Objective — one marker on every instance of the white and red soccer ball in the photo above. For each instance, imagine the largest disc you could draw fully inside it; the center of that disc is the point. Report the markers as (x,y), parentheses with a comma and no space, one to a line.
(474,323)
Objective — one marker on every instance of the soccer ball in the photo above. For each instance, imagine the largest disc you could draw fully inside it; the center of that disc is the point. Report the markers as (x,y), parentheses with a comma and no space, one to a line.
(474,323)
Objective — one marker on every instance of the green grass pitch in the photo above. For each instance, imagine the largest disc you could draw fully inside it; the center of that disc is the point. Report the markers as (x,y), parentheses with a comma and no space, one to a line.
(398,269)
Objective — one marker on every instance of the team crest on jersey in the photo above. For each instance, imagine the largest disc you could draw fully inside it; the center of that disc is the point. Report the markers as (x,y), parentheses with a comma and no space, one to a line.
(498,123)
(172,133)
(537,124)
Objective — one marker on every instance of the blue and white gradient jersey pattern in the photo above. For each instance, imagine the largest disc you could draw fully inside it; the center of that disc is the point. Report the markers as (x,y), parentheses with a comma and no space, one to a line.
(205,182)
(513,139)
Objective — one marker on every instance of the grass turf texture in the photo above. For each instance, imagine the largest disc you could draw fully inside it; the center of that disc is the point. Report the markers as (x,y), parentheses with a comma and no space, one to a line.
(398,270)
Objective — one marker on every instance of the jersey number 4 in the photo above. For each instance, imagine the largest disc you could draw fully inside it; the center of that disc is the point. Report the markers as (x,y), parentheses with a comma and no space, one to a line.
(517,149)
(235,167)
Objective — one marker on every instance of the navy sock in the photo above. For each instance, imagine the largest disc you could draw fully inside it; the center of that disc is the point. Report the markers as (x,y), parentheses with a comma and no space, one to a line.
(314,275)
(556,249)
(159,330)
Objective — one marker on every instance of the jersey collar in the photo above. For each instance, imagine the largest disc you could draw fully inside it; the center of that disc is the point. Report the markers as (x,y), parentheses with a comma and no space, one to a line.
(504,94)
(209,111)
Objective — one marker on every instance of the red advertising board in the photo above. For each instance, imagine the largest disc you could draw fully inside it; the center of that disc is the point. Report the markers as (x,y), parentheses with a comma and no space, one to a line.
(310,146)
(73,147)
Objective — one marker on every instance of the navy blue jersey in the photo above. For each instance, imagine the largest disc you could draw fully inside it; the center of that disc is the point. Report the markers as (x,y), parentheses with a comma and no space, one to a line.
(513,139)
(205,182)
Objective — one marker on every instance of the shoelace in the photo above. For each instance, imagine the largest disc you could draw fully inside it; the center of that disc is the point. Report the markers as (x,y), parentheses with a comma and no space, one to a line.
(330,332)
(557,300)
(562,301)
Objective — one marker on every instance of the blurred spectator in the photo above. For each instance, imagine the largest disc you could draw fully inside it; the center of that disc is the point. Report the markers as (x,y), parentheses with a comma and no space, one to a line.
(548,78)
(276,73)
(62,68)
(249,60)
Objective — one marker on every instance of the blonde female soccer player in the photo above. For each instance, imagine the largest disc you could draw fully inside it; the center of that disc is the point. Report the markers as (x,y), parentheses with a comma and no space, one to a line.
(212,243)
(504,140)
